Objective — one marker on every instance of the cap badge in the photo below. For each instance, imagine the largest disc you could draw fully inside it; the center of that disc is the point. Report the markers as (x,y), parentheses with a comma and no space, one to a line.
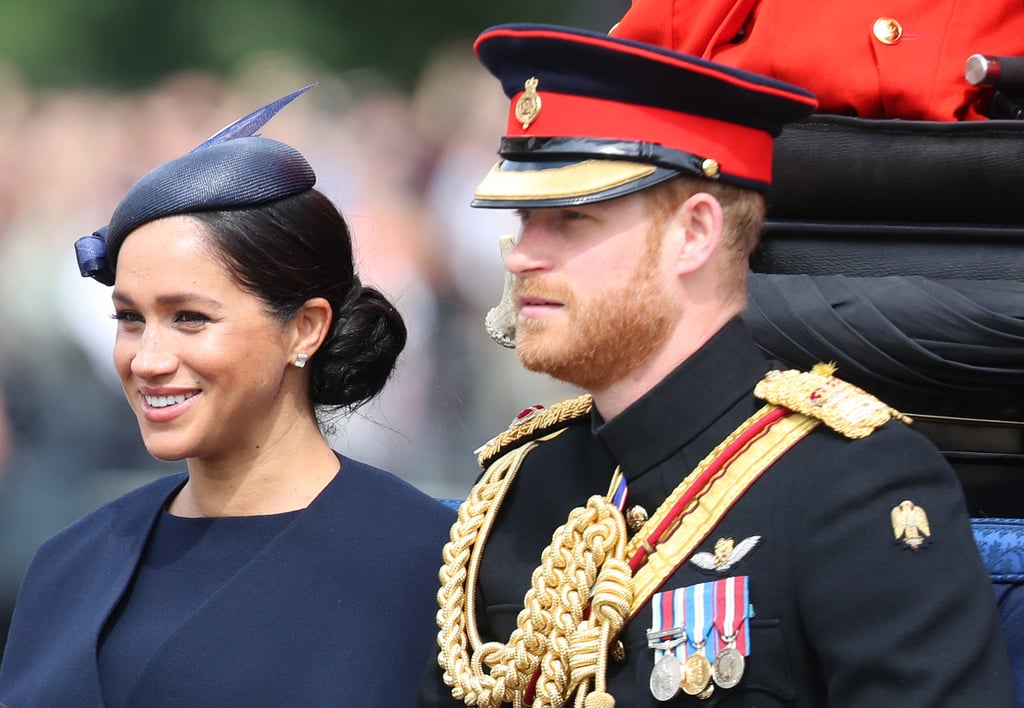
(727,554)
(529,104)
(910,524)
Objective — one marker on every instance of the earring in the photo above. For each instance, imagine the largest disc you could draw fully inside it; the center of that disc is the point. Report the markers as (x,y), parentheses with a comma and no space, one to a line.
(300,360)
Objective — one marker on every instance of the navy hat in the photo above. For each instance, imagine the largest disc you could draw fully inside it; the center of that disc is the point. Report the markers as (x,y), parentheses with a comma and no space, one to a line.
(231,169)
(594,117)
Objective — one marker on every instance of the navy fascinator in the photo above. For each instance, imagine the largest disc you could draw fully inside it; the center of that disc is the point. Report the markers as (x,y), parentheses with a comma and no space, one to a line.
(232,168)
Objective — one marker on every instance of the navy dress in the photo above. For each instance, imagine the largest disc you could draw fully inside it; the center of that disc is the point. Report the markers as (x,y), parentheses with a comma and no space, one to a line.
(331,605)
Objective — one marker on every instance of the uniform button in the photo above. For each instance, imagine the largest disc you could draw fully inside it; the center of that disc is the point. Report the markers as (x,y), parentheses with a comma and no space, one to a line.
(887,30)
(636,517)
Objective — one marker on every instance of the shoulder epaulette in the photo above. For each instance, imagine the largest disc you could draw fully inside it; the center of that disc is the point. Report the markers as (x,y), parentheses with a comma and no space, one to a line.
(533,422)
(840,405)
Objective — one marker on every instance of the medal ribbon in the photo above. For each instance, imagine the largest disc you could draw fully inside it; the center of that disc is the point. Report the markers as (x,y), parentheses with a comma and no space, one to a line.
(666,609)
(679,604)
(618,490)
(699,605)
(732,603)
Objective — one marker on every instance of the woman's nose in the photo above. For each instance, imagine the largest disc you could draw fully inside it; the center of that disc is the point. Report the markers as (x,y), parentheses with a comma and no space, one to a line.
(153,358)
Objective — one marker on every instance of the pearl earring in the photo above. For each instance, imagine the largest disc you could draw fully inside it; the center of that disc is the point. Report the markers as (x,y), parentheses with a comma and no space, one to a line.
(300,360)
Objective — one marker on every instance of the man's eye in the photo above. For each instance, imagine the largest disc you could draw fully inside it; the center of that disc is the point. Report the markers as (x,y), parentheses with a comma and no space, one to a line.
(570,215)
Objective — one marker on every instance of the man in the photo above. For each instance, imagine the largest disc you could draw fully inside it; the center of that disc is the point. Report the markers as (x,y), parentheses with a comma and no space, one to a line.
(699,529)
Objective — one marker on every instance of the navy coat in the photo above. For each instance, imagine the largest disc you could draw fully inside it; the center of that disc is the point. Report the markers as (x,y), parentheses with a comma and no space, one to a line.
(844,613)
(338,610)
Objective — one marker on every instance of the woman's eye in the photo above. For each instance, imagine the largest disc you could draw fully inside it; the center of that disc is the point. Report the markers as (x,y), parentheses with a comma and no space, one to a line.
(127,316)
(189,317)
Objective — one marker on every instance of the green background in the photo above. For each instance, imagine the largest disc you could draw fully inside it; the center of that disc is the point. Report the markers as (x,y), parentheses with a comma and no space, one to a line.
(124,44)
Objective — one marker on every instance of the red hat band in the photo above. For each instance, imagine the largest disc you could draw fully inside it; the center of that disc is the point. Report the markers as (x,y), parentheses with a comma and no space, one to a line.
(738,150)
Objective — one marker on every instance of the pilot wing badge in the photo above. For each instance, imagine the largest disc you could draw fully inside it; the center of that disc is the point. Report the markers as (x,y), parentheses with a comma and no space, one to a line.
(727,553)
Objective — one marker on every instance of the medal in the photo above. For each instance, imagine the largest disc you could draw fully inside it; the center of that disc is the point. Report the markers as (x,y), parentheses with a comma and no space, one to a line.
(728,668)
(668,643)
(731,603)
(666,678)
(699,622)
(696,675)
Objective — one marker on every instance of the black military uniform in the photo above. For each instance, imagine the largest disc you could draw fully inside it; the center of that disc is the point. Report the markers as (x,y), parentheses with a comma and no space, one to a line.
(818,542)
(844,613)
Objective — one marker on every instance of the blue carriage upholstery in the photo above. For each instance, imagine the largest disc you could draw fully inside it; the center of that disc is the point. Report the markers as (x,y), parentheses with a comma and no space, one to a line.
(1001,542)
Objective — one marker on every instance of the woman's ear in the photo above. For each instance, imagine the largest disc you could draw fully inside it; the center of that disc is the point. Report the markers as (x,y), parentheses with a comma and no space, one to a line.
(697,226)
(311,324)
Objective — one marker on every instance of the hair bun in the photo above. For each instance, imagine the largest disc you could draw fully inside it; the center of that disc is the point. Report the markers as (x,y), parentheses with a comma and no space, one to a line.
(359,355)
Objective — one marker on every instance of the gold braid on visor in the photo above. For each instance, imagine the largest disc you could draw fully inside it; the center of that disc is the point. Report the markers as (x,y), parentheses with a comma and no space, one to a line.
(578,179)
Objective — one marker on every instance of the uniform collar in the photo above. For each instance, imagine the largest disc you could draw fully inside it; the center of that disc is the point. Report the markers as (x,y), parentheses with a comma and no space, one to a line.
(685,402)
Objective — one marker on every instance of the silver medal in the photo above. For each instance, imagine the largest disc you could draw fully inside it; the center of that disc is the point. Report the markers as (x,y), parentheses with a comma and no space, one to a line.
(666,676)
(728,667)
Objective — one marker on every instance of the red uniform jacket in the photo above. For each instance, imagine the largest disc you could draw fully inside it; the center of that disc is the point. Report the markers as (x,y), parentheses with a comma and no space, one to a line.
(893,59)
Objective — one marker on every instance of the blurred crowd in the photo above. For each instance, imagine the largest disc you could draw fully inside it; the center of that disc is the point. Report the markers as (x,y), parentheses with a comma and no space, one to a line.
(401,164)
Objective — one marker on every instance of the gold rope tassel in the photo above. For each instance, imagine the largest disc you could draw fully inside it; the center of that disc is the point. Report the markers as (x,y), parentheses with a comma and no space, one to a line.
(609,608)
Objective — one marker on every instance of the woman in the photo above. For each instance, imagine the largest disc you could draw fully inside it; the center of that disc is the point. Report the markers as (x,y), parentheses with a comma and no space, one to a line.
(274,571)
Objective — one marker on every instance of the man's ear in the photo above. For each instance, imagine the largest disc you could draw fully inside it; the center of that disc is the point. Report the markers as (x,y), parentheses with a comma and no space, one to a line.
(311,325)
(697,225)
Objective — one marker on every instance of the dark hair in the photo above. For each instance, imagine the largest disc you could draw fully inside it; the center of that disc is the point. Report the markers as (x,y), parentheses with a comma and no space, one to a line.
(297,248)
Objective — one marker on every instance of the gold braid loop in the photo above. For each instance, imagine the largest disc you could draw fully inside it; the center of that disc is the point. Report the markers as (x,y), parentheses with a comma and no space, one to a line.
(561,587)
(456,616)
(584,565)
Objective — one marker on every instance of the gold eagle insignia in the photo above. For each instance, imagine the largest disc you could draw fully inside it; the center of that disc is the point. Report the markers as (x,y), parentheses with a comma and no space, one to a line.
(910,524)
(531,421)
(843,407)
(727,554)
